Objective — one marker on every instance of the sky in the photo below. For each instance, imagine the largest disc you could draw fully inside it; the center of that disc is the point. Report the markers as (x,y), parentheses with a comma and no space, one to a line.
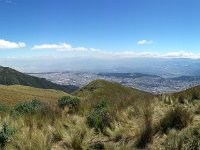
(62,29)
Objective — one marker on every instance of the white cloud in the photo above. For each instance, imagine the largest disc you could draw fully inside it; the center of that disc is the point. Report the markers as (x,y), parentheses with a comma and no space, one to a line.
(127,54)
(11,45)
(61,47)
(119,54)
(112,55)
(182,54)
(144,42)
(132,54)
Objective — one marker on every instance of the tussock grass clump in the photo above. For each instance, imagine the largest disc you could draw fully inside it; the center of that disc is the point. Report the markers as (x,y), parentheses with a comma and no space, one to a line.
(97,146)
(177,118)
(146,136)
(185,139)
(71,103)
(77,139)
(100,116)
(181,99)
(197,110)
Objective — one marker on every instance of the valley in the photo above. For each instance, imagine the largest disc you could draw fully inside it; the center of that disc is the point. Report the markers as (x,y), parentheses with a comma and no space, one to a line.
(100,115)
(145,82)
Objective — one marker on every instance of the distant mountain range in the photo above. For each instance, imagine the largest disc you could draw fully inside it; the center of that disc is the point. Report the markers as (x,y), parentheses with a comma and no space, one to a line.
(126,75)
(158,66)
(141,75)
(186,78)
(10,76)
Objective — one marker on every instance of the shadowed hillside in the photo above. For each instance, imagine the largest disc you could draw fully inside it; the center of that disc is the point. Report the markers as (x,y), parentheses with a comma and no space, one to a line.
(10,76)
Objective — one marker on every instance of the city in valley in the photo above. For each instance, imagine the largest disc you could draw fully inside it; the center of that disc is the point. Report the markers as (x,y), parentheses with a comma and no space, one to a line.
(150,83)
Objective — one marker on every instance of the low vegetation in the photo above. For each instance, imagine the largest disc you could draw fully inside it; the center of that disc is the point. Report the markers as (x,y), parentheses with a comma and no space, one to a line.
(69,122)
(177,118)
(27,108)
(5,134)
(13,94)
(100,116)
(72,103)
(147,131)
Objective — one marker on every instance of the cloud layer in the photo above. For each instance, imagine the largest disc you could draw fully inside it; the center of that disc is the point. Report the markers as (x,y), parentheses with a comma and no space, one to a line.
(120,54)
(91,52)
(61,47)
(131,54)
(11,45)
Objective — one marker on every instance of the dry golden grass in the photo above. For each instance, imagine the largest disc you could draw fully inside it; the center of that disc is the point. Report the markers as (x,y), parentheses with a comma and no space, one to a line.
(16,93)
(44,131)
(71,131)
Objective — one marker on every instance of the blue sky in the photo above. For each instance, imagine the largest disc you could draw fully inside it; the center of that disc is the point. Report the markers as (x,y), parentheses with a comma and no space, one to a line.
(99,28)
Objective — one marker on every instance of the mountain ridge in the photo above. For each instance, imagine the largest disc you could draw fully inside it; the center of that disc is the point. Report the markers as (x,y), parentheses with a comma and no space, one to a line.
(114,92)
(10,76)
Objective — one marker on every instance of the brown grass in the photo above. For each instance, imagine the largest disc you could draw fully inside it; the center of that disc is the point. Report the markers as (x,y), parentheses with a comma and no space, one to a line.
(16,93)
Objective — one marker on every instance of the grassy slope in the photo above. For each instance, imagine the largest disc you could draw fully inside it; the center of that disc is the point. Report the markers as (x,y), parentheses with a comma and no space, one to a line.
(15,93)
(72,132)
(186,94)
(117,94)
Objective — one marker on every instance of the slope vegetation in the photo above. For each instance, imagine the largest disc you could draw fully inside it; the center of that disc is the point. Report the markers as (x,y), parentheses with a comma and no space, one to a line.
(116,93)
(188,94)
(10,76)
(17,93)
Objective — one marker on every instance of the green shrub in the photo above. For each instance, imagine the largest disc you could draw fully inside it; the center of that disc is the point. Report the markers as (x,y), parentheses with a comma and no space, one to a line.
(72,103)
(100,116)
(27,108)
(5,134)
(177,118)
(4,108)
(195,96)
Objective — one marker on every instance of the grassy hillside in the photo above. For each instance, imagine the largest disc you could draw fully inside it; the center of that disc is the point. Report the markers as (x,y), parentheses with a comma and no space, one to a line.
(16,93)
(187,95)
(147,124)
(115,93)
(10,76)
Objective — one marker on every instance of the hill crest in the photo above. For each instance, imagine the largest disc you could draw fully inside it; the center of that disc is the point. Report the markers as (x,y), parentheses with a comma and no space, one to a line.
(115,93)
